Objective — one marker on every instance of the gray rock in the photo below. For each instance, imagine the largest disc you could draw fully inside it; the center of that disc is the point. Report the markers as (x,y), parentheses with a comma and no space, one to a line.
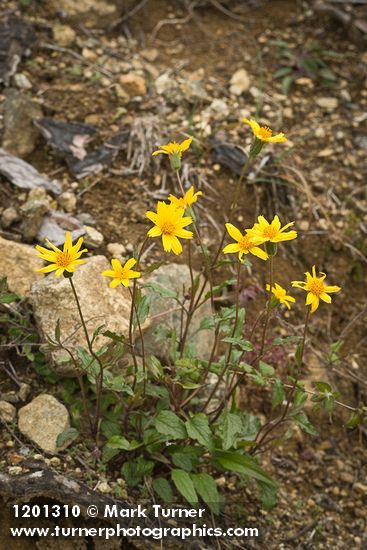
(117,250)
(33,213)
(54,226)
(8,412)
(93,238)
(9,216)
(52,299)
(43,420)
(87,219)
(22,81)
(23,175)
(19,263)
(20,134)
(175,277)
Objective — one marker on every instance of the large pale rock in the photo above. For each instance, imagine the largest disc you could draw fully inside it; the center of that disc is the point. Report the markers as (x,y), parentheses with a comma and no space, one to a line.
(52,299)
(175,277)
(19,263)
(43,420)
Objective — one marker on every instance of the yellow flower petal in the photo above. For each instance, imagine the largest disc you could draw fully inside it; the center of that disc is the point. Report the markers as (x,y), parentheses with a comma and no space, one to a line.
(231,248)
(259,252)
(234,232)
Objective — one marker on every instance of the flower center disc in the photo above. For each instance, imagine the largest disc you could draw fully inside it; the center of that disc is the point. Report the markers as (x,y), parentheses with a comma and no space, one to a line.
(270,232)
(316,287)
(265,132)
(168,228)
(245,243)
(63,259)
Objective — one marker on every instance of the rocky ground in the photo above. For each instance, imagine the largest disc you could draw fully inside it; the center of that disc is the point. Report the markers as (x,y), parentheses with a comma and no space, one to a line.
(96,90)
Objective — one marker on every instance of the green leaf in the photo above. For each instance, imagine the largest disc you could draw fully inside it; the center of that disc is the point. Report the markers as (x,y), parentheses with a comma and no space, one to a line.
(265,369)
(163,489)
(240,343)
(300,397)
(305,424)
(278,394)
(118,442)
(168,423)
(207,489)
(355,420)
(155,367)
(161,290)
(269,495)
(152,267)
(242,464)
(114,336)
(198,428)
(134,471)
(208,323)
(283,71)
(229,426)
(251,425)
(185,486)
(186,458)
(109,428)
(286,84)
(142,310)
(66,437)
(8,298)
(285,340)
(323,387)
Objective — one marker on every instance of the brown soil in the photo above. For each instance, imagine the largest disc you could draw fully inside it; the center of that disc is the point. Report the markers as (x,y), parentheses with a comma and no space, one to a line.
(320,180)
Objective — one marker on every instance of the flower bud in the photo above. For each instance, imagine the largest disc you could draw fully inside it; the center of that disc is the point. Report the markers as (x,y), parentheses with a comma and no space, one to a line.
(271,248)
(175,160)
(256,147)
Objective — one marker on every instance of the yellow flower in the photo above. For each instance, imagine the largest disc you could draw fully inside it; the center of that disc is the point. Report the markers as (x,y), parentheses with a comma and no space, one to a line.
(121,274)
(244,244)
(316,289)
(189,198)
(264,231)
(264,133)
(172,147)
(169,222)
(281,294)
(61,260)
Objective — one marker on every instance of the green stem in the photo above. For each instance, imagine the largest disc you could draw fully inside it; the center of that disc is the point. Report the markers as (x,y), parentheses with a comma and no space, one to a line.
(141,338)
(282,418)
(99,381)
(190,310)
(132,309)
(268,308)
(230,347)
